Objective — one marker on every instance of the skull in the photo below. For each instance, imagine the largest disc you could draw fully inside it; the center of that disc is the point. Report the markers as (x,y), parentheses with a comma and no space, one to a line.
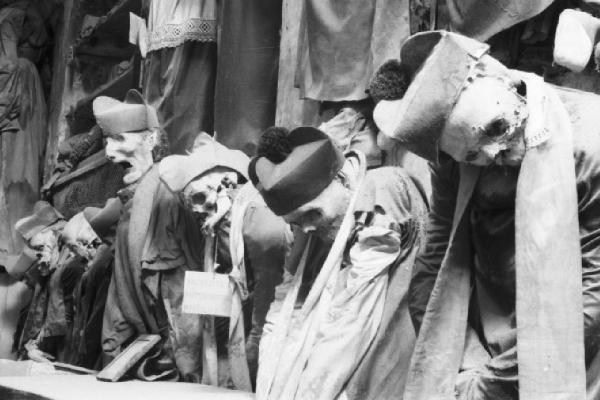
(81,238)
(493,134)
(133,150)
(207,196)
(45,246)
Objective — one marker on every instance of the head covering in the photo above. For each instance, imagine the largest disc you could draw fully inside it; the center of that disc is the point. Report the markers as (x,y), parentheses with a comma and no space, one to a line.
(72,228)
(178,171)
(310,167)
(131,115)
(103,220)
(44,215)
(17,266)
(439,63)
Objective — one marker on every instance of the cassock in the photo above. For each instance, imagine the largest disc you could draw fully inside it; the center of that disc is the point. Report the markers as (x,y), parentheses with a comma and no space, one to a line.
(490,365)
(158,240)
(342,329)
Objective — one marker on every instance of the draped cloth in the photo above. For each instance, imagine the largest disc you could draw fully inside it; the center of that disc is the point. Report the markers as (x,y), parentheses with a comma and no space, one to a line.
(246,83)
(549,312)
(481,19)
(22,131)
(355,314)
(49,317)
(237,342)
(180,84)
(128,313)
(343,43)
(181,67)
(287,350)
(85,349)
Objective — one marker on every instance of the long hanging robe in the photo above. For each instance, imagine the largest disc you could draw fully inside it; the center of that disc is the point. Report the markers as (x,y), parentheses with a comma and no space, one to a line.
(343,43)
(181,67)
(22,139)
(246,86)
(22,130)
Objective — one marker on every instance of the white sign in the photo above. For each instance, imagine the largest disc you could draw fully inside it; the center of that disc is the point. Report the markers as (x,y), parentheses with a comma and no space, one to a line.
(207,293)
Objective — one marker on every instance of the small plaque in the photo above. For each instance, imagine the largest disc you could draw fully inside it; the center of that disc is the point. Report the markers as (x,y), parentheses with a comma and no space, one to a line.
(207,293)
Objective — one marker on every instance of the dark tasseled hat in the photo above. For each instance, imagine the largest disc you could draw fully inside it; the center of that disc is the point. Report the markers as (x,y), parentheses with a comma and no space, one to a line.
(286,177)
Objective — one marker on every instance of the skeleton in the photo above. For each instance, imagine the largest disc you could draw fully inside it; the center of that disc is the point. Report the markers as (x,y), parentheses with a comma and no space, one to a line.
(493,134)
(208,196)
(46,247)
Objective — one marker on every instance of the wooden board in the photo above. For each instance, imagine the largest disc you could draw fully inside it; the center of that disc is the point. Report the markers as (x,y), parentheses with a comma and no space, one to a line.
(127,359)
(86,387)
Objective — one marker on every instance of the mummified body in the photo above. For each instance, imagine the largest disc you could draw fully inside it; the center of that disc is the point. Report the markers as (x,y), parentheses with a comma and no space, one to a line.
(510,260)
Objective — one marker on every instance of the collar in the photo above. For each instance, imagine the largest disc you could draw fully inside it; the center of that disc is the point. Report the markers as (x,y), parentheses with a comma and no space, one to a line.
(536,131)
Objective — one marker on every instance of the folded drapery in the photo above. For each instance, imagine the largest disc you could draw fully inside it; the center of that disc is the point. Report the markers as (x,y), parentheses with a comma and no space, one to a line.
(481,19)
(344,43)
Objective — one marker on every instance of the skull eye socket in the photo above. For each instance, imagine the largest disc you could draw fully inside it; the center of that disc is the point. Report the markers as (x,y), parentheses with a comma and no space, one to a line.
(496,128)
(198,198)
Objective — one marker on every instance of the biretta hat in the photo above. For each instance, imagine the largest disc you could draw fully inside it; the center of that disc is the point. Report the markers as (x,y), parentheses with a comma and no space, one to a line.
(178,171)
(17,266)
(310,167)
(440,63)
(72,228)
(103,220)
(132,115)
(44,215)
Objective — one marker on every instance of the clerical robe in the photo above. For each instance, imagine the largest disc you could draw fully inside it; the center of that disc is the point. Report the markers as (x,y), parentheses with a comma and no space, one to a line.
(490,367)
(158,240)
(361,323)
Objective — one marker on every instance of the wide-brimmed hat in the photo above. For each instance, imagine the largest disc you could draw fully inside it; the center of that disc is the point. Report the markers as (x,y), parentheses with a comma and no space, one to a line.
(102,220)
(178,171)
(44,215)
(132,115)
(440,63)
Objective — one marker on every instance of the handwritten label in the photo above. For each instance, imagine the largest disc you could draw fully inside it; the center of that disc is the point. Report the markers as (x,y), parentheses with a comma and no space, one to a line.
(206,293)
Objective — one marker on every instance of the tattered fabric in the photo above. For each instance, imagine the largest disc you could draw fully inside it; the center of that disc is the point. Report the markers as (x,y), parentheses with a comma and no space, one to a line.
(343,43)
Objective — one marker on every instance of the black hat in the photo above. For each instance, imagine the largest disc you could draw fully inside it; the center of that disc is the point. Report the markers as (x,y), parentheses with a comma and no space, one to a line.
(305,172)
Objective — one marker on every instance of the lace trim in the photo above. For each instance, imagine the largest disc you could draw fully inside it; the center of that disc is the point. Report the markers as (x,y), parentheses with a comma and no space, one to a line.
(172,35)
